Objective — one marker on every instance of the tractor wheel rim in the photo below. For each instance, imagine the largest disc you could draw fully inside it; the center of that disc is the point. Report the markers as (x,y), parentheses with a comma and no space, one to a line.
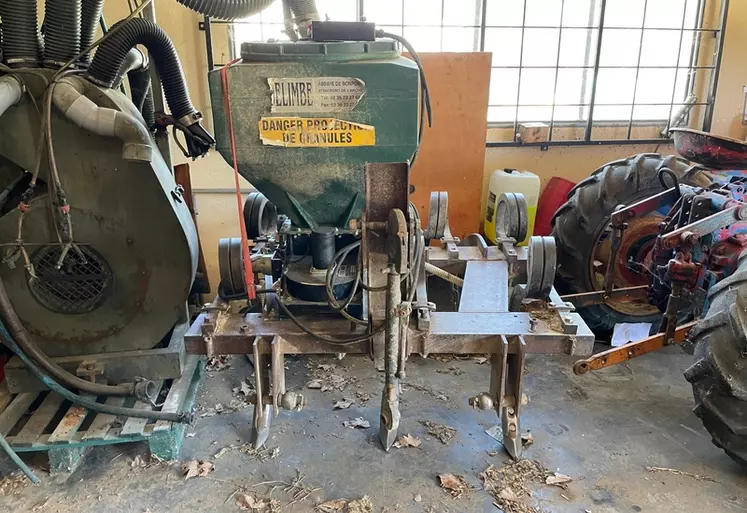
(631,265)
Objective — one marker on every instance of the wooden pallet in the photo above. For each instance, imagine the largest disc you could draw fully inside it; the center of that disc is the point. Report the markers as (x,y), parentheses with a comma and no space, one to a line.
(44,421)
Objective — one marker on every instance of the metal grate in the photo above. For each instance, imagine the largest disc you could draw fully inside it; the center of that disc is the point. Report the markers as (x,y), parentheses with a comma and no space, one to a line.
(595,71)
(79,286)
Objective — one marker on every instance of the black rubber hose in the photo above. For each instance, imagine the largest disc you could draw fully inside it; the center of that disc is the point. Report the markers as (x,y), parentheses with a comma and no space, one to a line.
(227,9)
(28,346)
(134,60)
(91,14)
(20,44)
(142,95)
(138,31)
(62,22)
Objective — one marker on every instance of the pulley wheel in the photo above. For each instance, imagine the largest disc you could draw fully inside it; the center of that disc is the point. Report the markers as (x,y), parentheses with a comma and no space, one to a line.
(512,218)
(231,268)
(541,265)
(437,215)
(260,216)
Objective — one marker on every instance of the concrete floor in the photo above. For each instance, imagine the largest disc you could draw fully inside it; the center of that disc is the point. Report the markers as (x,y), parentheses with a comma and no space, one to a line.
(602,429)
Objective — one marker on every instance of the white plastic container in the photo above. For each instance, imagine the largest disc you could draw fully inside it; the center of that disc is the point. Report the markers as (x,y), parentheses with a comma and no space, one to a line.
(511,180)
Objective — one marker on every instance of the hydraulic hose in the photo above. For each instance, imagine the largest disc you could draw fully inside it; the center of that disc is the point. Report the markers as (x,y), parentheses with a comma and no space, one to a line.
(20,44)
(112,53)
(227,9)
(28,346)
(91,15)
(90,404)
(62,29)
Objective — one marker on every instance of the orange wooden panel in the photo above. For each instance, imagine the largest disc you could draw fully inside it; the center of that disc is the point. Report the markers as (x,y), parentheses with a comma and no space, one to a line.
(452,155)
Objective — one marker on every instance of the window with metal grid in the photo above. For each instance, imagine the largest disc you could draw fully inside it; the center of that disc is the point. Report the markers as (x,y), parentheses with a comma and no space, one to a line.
(588,71)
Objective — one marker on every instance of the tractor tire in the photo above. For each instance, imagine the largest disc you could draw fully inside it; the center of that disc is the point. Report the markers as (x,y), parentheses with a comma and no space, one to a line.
(581,221)
(719,372)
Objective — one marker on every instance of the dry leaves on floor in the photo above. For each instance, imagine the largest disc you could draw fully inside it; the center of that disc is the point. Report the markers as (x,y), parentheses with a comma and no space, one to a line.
(314,384)
(363,397)
(507,484)
(197,468)
(445,434)
(251,502)
(323,378)
(357,422)
(262,454)
(13,484)
(245,388)
(407,441)
(456,485)
(558,479)
(343,404)
(435,393)
(333,506)
(218,363)
(362,505)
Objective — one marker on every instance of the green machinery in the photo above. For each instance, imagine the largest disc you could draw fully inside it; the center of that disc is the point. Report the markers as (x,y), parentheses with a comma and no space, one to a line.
(359,83)
(326,127)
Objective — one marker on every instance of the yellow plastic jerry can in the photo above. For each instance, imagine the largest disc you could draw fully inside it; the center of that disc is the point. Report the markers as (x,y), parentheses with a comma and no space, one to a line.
(511,180)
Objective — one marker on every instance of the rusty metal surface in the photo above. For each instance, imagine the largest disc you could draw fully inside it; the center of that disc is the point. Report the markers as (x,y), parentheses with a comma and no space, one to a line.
(450,332)
(716,152)
(230,336)
(485,287)
(387,188)
(647,205)
(622,354)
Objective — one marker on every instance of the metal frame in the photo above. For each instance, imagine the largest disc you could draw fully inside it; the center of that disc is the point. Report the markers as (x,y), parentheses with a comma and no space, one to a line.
(481,27)
(492,317)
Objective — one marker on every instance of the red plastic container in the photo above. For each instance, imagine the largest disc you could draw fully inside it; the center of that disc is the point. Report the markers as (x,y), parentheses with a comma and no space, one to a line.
(554,195)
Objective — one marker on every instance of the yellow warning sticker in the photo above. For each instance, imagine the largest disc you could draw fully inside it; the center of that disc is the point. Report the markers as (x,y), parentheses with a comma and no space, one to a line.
(295,132)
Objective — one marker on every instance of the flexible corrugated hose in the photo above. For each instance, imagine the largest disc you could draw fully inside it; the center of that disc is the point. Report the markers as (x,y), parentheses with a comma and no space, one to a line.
(227,9)
(62,19)
(91,14)
(236,9)
(112,53)
(20,33)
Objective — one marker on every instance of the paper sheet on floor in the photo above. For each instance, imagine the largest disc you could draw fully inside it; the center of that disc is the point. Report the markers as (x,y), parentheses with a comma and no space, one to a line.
(626,332)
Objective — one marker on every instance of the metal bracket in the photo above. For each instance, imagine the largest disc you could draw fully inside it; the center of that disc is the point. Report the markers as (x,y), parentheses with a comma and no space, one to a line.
(622,354)
(506,381)
(397,316)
